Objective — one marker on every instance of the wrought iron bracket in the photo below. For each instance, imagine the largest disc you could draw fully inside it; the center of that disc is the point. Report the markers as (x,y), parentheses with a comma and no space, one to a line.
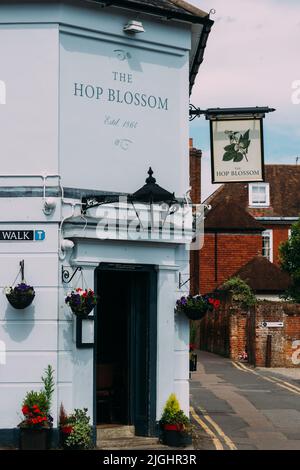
(66,276)
(215,113)
(181,283)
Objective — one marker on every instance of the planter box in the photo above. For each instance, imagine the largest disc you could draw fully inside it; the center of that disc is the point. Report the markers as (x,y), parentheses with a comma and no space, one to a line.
(175,438)
(35,439)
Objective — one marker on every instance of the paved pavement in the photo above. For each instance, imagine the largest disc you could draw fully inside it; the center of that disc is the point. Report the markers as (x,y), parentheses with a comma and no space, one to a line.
(236,407)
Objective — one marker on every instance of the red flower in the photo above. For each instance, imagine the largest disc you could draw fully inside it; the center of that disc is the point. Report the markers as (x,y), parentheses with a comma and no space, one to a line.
(217,303)
(67,429)
(25,410)
(85,294)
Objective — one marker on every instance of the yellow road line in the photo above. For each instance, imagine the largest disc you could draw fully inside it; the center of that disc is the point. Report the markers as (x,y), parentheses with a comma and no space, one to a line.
(280,383)
(217,443)
(221,433)
(237,366)
(247,369)
(286,383)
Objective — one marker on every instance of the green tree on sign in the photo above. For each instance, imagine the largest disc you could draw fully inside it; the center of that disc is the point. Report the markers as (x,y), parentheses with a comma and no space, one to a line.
(238,147)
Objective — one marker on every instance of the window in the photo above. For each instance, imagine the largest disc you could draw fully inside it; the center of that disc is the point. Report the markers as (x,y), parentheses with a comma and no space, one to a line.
(259,195)
(267,245)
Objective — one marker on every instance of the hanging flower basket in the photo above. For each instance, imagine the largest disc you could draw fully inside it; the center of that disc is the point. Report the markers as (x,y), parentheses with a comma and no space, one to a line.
(81,302)
(20,296)
(196,307)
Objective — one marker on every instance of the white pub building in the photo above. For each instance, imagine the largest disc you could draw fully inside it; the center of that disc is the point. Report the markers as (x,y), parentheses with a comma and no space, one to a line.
(93,94)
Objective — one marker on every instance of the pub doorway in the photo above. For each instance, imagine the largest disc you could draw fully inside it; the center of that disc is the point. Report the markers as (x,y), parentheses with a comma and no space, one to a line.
(125,346)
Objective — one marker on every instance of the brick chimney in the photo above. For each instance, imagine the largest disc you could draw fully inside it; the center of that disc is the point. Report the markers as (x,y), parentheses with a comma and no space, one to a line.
(195,183)
(195,173)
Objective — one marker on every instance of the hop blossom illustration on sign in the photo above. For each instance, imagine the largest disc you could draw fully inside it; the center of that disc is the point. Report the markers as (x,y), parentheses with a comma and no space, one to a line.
(238,148)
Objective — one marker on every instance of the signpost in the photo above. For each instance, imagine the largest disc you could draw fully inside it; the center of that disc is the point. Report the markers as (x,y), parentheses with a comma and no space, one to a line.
(237,147)
(272,324)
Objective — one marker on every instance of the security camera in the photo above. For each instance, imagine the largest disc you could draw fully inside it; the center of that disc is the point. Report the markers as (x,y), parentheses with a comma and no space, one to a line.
(49,205)
(66,245)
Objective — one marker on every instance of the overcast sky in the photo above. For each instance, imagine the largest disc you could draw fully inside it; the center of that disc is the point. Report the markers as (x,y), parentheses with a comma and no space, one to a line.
(252,59)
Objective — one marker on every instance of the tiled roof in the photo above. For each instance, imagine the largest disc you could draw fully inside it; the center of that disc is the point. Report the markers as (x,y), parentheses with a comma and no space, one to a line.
(263,276)
(284,183)
(230,217)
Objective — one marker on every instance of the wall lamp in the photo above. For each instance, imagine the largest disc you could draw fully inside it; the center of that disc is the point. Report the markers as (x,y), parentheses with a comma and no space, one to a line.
(49,205)
(134,27)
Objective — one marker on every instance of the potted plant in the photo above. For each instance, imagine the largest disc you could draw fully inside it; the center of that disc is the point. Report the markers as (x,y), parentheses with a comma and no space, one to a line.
(81,301)
(65,426)
(35,428)
(20,296)
(175,425)
(75,430)
(196,307)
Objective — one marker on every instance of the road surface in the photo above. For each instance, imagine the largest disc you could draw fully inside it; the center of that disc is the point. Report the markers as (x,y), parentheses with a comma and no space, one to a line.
(237,407)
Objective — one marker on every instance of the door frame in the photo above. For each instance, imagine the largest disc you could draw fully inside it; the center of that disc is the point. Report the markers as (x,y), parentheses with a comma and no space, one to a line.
(152,336)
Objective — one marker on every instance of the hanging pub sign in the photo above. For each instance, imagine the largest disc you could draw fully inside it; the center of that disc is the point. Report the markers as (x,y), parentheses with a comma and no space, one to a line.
(237,150)
(237,147)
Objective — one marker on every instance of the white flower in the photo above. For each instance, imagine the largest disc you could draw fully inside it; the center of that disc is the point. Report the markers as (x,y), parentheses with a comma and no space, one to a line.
(7,290)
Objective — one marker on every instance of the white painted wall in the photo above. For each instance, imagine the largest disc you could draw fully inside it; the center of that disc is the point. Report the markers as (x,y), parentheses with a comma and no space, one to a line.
(44,129)
(31,335)
(29,119)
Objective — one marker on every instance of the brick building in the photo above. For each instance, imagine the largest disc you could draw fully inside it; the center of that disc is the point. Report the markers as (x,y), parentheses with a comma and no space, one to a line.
(231,240)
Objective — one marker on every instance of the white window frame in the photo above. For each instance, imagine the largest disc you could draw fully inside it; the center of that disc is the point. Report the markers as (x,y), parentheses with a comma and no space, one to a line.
(268,233)
(259,204)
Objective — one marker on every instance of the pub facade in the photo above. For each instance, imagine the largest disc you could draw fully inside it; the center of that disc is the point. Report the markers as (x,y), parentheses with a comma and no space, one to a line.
(93,194)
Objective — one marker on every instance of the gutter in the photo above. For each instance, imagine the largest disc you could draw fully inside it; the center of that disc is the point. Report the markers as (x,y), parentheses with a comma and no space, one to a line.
(198,58)
(277,219)
(150,9)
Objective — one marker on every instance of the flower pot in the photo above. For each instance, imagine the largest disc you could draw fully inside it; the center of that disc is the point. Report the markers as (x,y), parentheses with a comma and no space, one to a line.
(195,313)
(175,438)
(83,311)
(65,432)
(35,439)
(20,300)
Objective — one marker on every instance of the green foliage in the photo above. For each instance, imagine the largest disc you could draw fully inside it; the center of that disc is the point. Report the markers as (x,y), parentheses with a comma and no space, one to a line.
(289,253)
(81,435)
(240,290)
(36,398)
(48,381)
(238,148)
(172,413)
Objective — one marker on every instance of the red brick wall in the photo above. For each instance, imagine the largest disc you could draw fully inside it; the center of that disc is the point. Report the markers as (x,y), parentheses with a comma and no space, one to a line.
(223,331)
(231,329)
(233,251)
(280,234)
(283,339)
